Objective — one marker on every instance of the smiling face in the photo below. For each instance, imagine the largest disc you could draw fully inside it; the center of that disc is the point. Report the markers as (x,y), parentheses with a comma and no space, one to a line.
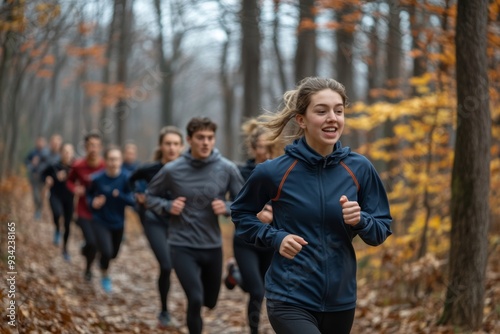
(202,143)
(323,121)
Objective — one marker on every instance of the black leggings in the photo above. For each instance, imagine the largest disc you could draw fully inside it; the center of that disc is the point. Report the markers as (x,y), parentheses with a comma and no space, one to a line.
(200,273)
(62,206)
(108,243)
(290,319)
(157,234)
(90,248)
(253,263)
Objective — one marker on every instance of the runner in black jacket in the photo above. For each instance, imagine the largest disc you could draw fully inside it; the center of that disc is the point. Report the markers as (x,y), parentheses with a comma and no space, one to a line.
(170,144)
(252,262)
(61,198)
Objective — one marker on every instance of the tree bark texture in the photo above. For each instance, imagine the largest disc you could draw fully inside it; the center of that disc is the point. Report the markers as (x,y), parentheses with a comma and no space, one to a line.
(306,53)
(250,57)
(471,171)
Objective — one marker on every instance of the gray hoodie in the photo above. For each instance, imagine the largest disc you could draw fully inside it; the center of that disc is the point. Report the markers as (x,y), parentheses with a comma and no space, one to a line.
(200,181)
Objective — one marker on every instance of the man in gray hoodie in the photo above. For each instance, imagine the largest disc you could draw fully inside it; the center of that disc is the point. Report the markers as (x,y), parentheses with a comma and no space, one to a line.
(193,190)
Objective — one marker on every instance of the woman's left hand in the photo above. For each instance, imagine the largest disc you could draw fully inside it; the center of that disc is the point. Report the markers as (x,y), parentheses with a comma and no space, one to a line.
(351,211)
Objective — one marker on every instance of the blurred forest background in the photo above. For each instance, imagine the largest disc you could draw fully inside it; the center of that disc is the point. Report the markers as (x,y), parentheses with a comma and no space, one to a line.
(129,67)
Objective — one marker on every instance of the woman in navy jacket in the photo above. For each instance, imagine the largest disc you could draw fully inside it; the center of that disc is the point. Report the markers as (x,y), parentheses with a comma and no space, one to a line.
(322,195)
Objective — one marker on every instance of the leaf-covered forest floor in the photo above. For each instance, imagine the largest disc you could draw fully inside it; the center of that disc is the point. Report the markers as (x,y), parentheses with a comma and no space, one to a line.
(51,295)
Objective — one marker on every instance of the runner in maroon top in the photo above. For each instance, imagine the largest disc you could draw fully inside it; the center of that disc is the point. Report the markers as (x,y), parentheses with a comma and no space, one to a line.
(78,181)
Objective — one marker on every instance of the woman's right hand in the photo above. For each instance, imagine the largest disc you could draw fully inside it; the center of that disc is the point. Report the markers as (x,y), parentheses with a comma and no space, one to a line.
(291,246)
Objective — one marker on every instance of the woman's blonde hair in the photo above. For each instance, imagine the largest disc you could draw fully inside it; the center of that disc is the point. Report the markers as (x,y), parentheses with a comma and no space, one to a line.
(295,103)
(252,131)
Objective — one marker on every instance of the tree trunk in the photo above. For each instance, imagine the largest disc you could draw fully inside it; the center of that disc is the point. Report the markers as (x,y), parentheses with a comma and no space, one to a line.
(123,51)
(417,22)
(306,53)
(166,116)
(9,46)
(394,55)
(227,88)
(393,78)
(470,183)
(344,63)
(54,122)
(345,45)
(250,57)
(104,122)
(277,50)
(373,64)
(77,111)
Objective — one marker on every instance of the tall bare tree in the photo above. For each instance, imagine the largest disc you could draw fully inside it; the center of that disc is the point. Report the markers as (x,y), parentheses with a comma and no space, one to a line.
(170,63)
(9,46)
(345,45)
(394,54)
(417,22)
(373,62)
(104,121)
(226,77)
(280,63)
(125,16)
(166,88)
(306,52)
(250,57)
(344,60)
(470,183)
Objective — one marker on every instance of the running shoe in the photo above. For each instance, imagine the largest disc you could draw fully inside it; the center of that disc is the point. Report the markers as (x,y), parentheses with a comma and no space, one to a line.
(233,275)
(164,320)
(66,257)
(57,236)
(88,276)
(106,284)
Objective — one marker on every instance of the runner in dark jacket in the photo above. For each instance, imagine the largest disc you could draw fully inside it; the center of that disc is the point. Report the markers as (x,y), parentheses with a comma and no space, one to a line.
(322,196)
(170,145)
(252,262)
(61,198)
(108,194)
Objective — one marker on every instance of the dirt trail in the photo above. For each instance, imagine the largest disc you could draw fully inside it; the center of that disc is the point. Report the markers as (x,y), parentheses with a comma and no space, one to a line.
(52,295)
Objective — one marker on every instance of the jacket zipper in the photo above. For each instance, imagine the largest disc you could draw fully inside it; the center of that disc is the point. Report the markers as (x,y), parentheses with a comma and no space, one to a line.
(323,235)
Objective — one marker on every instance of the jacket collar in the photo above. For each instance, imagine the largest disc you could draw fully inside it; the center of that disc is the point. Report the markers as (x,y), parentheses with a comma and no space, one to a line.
(214,156)
(302,151)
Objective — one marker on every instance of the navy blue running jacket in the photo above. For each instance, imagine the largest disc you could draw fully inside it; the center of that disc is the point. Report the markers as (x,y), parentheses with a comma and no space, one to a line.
(305,190)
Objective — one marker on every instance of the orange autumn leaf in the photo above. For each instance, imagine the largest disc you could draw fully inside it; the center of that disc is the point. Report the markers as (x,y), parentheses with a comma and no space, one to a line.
(44,73)
(307,24)
(49,60)
(331,25)
(85,28)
